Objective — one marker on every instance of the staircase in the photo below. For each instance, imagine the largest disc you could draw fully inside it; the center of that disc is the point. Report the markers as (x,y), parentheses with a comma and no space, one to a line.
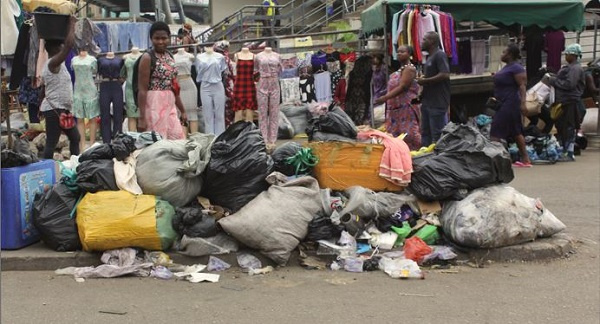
(294,18)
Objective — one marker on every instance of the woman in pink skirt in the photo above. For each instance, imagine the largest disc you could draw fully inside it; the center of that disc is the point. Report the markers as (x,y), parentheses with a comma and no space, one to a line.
(159,100)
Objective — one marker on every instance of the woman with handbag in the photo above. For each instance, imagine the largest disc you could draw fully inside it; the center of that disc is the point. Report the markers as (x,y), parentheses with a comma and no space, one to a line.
(510,93)
(57,95)
(158,89)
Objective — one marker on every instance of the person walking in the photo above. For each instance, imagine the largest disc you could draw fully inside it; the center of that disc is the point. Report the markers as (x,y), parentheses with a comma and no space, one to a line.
(57,93)
(402,113)
(435,97)
(509,90)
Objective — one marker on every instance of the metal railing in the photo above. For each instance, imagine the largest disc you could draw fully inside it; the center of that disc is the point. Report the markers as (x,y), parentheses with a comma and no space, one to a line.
(291,18)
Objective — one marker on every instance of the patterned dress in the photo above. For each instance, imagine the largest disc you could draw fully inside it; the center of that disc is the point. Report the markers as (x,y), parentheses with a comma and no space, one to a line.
(160,111)
(401,116)
(244,90)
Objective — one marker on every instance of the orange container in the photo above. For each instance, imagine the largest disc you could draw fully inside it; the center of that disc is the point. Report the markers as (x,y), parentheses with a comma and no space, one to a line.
(343,165)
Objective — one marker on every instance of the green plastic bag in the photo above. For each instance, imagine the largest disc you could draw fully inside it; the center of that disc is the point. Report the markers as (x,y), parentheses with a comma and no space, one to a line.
(164,219)
(429,234)
(402,232)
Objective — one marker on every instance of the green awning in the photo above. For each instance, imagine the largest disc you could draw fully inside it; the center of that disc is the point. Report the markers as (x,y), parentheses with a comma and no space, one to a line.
(556,14)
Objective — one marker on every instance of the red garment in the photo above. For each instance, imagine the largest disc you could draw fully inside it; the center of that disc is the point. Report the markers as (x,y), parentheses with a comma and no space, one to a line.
(244,90)
(340,93)
(396,162)
(415,37)
(446,34)
(348,57)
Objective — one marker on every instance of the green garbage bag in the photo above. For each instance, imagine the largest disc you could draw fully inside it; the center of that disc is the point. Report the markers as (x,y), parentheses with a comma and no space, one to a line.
(429,234)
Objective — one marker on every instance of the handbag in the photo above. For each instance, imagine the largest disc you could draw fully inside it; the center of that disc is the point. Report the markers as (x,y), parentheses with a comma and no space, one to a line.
(492,105)
(532,104)
(175,87)
(532,101)
(66,120)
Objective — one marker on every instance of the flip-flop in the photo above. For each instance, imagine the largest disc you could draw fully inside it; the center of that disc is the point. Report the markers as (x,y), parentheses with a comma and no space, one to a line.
(520,164)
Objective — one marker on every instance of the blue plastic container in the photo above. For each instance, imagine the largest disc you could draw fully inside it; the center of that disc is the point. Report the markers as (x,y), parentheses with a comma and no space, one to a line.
(19,186)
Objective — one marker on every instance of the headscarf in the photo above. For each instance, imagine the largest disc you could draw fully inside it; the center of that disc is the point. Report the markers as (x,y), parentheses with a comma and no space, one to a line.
(574,49)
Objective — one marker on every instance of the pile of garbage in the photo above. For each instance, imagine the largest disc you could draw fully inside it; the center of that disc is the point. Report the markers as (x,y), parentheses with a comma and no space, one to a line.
(208,196)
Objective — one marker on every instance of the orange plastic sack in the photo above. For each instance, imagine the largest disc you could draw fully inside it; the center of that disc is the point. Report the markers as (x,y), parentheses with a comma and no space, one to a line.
(415,249)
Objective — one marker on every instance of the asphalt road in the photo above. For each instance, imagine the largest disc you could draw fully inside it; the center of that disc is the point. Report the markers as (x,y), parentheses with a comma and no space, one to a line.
(558,291)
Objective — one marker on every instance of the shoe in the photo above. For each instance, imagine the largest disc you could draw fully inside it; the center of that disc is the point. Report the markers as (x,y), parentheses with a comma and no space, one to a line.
(566,158)
(520,164)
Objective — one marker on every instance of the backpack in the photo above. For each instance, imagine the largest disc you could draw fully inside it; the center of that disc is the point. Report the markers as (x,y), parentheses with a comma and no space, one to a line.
(136,66)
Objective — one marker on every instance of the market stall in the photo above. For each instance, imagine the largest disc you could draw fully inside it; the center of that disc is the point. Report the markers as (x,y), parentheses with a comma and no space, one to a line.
(550,15)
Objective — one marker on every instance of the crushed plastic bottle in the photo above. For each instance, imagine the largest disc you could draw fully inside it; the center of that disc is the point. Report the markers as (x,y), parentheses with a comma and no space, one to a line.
(401,268)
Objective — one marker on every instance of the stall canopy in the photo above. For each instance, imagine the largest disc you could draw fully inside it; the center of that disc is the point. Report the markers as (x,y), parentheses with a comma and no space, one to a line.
(556,14)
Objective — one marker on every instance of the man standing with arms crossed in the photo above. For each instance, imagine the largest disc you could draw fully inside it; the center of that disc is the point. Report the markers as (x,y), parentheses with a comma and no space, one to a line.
(436,90)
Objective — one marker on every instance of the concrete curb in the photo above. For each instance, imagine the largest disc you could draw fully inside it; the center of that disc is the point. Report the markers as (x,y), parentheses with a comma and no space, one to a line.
(38,257)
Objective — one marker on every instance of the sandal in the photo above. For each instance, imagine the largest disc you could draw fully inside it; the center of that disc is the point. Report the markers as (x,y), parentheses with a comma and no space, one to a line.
(520,164)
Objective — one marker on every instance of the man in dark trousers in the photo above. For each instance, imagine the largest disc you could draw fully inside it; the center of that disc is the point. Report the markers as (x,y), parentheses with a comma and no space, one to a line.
(435,99)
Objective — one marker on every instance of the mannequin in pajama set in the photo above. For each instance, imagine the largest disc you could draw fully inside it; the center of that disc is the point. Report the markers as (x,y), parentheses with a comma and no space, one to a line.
(267,65)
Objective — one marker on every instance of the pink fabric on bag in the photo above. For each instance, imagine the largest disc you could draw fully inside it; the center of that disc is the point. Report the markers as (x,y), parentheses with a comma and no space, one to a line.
(396,162)
(161,115)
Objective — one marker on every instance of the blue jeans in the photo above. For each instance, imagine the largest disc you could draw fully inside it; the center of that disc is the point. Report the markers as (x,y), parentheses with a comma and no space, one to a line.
(103,38)
(113,35)
(139,34)
(433,120)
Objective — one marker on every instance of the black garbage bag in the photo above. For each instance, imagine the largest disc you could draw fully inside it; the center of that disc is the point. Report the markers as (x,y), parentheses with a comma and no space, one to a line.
(335,121)
(463,160)
(123,145)
(20,155)
(98,152)
(281,154)
(96,175)
(298,116)
(193,222)
(321,228)
(285,130)
(52,218)
(238,167)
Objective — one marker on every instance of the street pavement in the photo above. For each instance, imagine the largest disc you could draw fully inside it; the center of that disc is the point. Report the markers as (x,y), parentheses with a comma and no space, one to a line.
(556,291)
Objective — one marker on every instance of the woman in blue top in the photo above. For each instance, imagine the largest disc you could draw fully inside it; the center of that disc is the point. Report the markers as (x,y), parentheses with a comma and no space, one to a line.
(509,89)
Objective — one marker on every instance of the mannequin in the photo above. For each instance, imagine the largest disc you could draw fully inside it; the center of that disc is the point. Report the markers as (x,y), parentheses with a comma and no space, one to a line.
(210,67)
(111,92)
(267,65)
(244,89)
(127,74)
(86,103)
(189,91)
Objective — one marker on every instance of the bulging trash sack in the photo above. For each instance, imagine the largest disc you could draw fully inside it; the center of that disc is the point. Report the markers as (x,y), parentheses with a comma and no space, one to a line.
(401,268)
(463,160)
(110,220)
(285,130)
(370,205)
(52,218)
(497,216)
(172,169)
(194,222)
(276,220)
(281,154)
(96,175)
(238,167)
